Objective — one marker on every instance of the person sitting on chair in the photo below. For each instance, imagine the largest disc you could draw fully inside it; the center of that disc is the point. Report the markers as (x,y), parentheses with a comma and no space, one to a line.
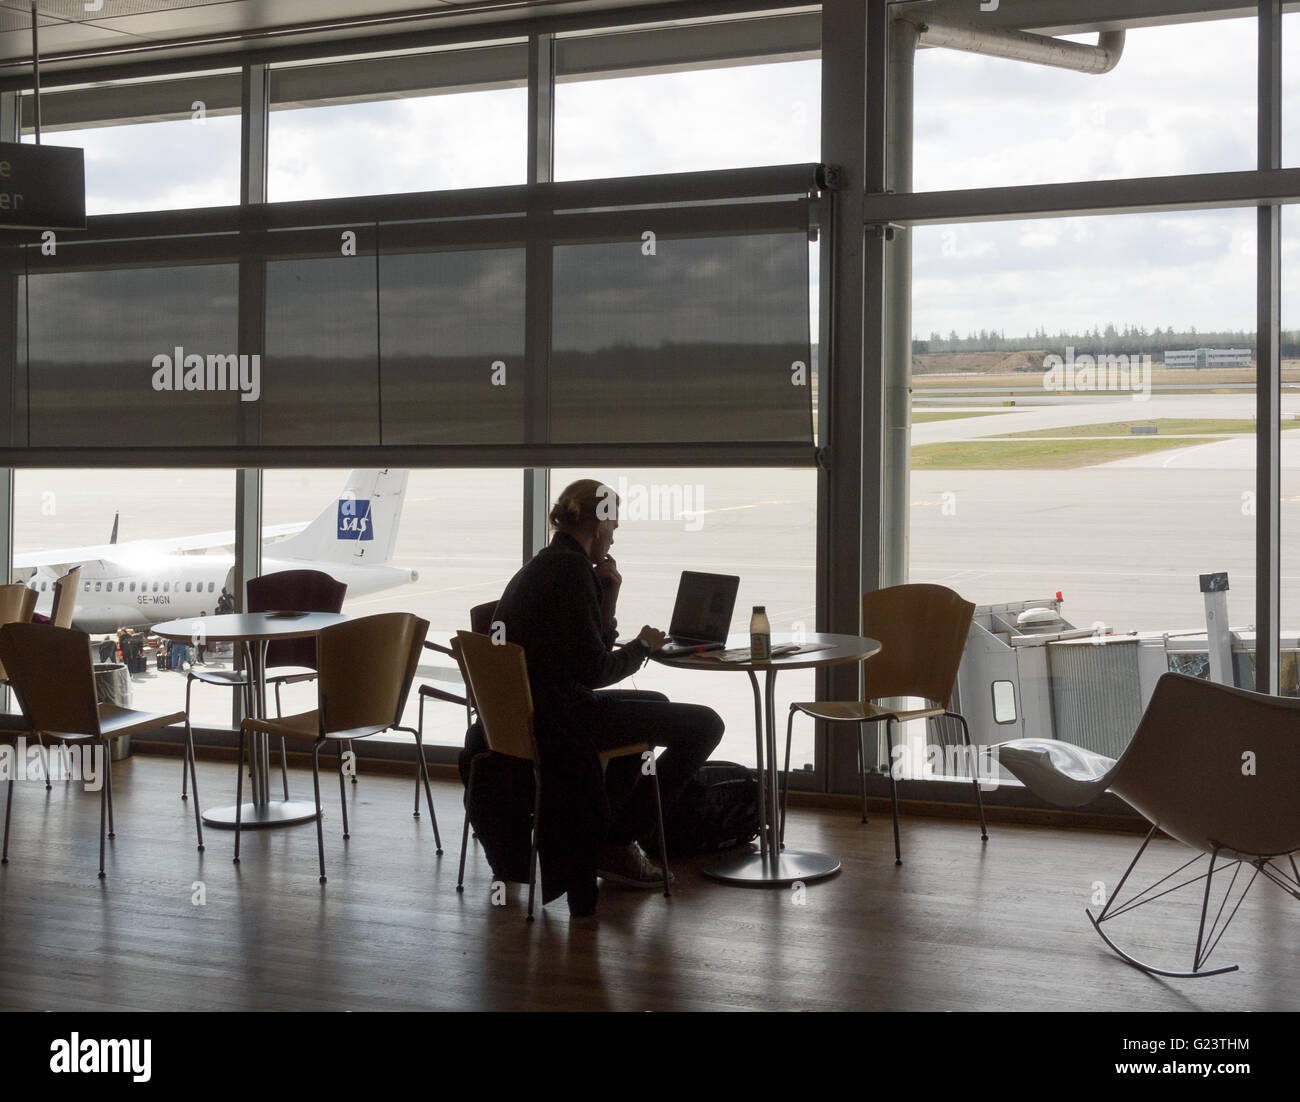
(560,607)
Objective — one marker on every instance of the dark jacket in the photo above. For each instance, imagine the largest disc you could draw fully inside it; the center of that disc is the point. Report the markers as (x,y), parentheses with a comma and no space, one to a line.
(553,608)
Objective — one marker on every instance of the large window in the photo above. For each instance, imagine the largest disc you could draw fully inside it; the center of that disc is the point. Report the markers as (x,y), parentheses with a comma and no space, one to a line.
(1083,425)
(1181,99)
(415,122)
(153,546)
(756,523)
(154,145)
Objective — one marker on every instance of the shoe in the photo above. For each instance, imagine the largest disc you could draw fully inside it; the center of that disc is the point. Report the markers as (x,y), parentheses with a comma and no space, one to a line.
(629,866)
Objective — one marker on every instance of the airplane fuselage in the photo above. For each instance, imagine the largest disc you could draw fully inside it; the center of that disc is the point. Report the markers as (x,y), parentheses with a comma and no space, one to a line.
(173,587)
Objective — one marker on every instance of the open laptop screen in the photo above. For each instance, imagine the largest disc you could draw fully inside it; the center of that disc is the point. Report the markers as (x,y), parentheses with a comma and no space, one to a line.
(704,606)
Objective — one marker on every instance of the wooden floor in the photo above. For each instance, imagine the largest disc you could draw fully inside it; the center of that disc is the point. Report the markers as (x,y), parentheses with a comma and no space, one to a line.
(959,927)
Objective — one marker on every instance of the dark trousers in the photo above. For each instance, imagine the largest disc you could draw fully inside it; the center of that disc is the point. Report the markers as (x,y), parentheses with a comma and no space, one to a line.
(688,732)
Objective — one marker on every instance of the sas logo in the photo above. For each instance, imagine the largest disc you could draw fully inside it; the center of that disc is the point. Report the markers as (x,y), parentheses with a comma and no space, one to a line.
(354,519)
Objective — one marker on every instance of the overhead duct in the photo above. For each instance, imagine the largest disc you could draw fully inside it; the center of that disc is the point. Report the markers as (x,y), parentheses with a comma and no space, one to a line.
(1037,49)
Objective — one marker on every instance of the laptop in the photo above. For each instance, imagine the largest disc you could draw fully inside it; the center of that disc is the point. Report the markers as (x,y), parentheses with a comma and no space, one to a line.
(702,614)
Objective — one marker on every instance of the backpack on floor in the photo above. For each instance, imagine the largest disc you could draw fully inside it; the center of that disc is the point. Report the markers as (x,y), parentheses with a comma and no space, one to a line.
(717,810)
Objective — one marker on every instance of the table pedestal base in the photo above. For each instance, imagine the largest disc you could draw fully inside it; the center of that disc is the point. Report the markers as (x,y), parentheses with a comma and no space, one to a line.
(277,813)
(786,868)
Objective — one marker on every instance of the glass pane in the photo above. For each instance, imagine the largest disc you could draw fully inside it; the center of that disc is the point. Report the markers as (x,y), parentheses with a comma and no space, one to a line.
(1066,445)
(706,118)
(160,145)
(653,348)
(322,348)
(1181,100)
(135,356)
(457,538)
(452,338)
(63,518)
(423,122)
(759,524)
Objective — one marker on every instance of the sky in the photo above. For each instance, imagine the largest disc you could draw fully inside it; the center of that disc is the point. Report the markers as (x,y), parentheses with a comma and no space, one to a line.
(1181,100)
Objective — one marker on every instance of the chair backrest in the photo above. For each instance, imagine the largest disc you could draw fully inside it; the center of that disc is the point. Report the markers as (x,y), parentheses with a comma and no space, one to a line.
(65,598)
(480,618)
(497,676)
(365,669)
(1213,764)
(17,603)
(923,630)
(295,591)
(50,670)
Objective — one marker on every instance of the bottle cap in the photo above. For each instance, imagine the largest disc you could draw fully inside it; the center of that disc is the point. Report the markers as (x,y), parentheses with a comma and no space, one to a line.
(760,608)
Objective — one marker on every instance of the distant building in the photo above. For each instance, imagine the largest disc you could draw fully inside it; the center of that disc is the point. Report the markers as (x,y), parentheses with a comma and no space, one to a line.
(1210,357)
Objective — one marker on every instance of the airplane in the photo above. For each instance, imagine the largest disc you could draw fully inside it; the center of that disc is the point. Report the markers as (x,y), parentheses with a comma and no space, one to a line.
(140,583)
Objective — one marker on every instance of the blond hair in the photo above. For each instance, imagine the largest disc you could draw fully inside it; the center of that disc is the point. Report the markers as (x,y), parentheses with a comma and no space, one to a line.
(583,501)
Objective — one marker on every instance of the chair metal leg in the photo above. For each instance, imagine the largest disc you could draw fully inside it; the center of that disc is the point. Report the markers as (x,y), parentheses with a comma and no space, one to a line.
(663,845)
(354,762)
(45,753)
(194,778)
(423,771)
(9,810)
(106,750)
(239,788)
(284,768)
(1198,959)
(975,773)
(785,787)
(320,827)
(532,850)
(862,766)
(419,736)
(103,813)
(189,682)
(893,789)
(343,793)
(464,834)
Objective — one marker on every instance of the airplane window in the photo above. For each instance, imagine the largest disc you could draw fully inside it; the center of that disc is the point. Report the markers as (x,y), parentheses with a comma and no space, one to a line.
(167,586)
(212,587)
(43,585)
(155,587)
(133,587)
(99,586)
(86,586)
(187,586)
(121,587)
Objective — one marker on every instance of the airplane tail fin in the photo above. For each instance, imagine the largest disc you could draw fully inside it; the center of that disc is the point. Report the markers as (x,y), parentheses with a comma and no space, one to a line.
(360,527)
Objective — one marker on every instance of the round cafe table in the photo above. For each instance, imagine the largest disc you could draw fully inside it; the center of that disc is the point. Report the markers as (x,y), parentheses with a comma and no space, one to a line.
(772,865)
(248,629)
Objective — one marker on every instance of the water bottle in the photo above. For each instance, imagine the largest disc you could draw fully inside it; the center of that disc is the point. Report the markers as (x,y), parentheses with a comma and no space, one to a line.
(760,636)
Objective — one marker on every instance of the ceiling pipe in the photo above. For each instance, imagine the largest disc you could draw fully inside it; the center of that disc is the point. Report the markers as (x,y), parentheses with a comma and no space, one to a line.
(1037,49)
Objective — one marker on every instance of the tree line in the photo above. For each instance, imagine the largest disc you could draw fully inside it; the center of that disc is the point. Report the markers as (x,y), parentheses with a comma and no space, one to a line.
(1098,341)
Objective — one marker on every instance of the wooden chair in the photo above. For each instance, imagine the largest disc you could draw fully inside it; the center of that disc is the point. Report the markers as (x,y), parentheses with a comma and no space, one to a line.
(290,591)
(496,676)
(17,603)
(65,598)
(364,669)
(50,670)
(923,630)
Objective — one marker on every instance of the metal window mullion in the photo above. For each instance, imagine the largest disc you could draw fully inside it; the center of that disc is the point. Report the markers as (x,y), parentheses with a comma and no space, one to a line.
(1268,382)
(539,270)
(848,552)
